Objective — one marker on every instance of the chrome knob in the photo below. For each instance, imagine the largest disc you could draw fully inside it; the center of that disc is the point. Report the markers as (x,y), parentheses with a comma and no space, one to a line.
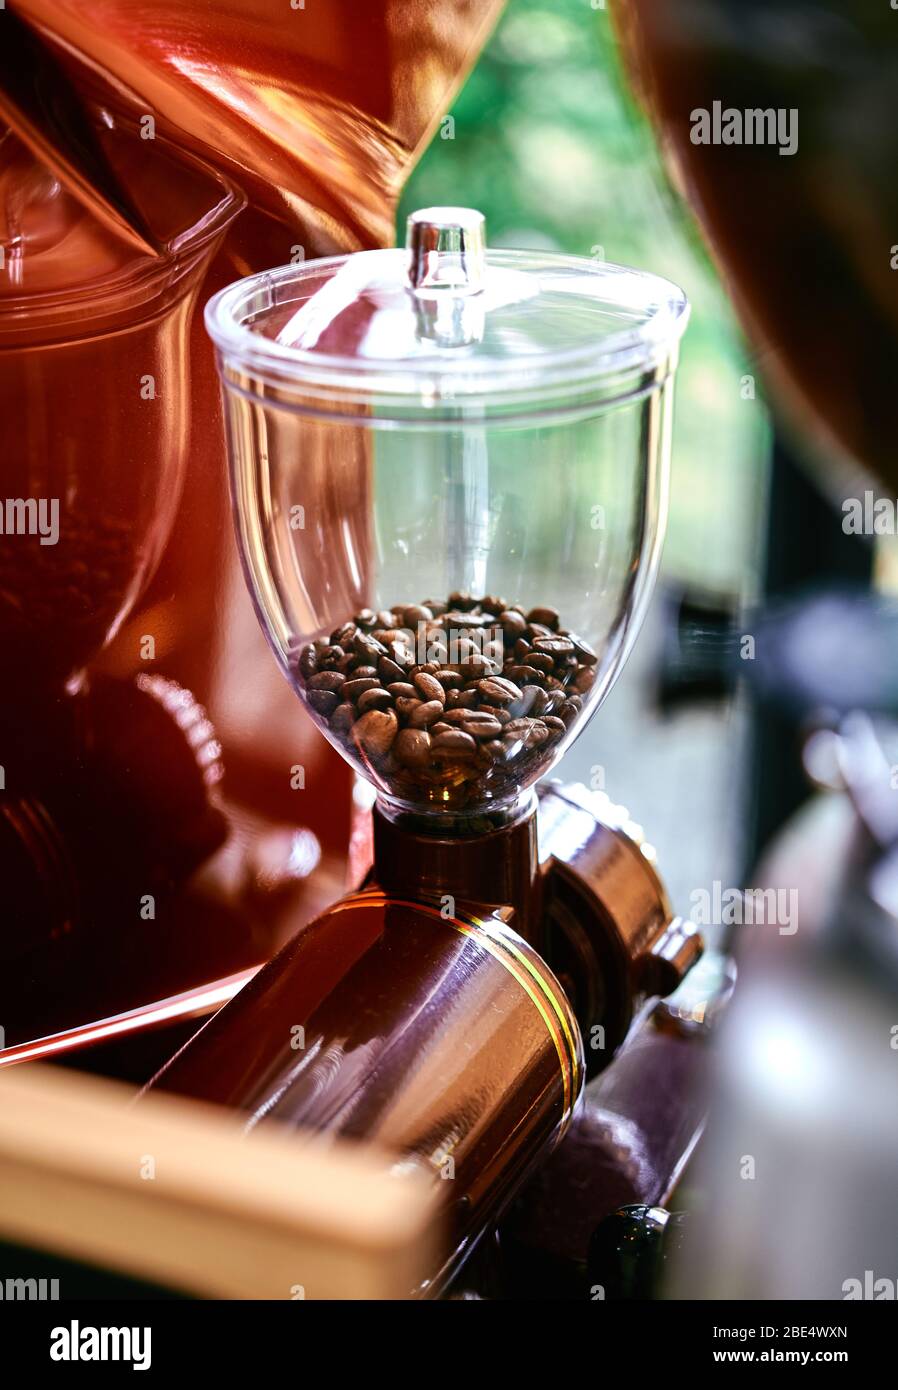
(446,250)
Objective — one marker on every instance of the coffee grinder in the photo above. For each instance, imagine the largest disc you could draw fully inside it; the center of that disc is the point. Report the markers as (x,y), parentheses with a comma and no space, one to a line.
(449,476)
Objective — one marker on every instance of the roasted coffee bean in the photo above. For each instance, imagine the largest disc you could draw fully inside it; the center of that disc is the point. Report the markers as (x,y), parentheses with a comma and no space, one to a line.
(496,690)
(541,662)
(458,621)
(343,718)
(436,606)
(449,680)
(524,675)
(467,699)
(323,702)
(416,613)
(412,747)
(456,716)
(401,654)
(375,731)
(429,687)
(546,617)
(532,702)
(495,750)
(513,625)
(327,680)
(377,698)
(522,708)
(475,667)
(402,690)
(347,663)
(342,636)
(330,656)
(480,724)
(440,727)
(459,600)
(491,605)
(541,699)
(389,671)
(354,688)
(427,713)
(582,650)
(537,630)
(569,712)
(386,618)
(555,725)
(553,646)
(453,744)
(405,706)
(522,650)
(517,726)
(366,647)
(308,661)
(555,699)
(584,679)
(530,732)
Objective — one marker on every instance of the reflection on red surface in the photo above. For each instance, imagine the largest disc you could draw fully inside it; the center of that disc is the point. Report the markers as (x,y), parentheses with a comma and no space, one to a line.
(316,112)
(315,115)
(190,1003)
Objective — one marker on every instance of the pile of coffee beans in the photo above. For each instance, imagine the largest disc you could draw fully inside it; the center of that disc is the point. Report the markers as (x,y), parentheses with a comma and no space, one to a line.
(58,602)
(448,702)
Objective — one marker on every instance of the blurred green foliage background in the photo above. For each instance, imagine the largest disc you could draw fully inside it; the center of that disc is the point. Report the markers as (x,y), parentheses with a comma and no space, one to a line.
(546,141)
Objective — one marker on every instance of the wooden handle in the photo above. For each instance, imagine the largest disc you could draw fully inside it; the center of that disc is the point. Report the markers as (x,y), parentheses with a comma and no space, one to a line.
(174,1192)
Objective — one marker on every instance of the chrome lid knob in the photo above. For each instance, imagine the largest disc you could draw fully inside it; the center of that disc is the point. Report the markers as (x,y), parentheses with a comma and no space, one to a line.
(446,250)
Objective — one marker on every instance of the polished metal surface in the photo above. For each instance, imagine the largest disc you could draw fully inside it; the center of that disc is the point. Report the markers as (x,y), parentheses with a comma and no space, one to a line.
(494,869)
(187,1004)
(444,1038)
(446,250)
(610,929)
